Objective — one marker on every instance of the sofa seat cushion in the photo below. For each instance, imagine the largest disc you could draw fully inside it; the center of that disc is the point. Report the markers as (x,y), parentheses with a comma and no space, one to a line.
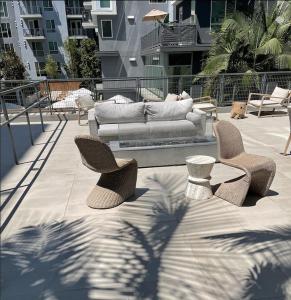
(168,111)
(123,131)
(110,113)
(170,129)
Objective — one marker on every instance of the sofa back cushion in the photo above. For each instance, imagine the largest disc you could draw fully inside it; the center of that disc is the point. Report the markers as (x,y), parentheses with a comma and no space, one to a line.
(168,111)
(111,113)
(281,93)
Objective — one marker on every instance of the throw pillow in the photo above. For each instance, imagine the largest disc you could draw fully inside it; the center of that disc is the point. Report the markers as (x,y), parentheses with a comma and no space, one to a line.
(185,95)
(119,99)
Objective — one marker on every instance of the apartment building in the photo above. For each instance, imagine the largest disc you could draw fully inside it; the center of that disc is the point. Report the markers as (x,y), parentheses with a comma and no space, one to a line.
(131,47)
(37,28)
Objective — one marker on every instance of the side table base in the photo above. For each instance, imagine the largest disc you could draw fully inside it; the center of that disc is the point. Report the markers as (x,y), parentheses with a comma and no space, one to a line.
(200,189)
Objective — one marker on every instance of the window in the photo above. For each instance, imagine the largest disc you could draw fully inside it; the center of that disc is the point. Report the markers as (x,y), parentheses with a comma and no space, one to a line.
(106,26)
(40,68)
(37,49)
(50,26)
(47,5)
(3,9)
(53,47)
(7,47)
(105,3)
(180,59)
(158,1)
(5,31)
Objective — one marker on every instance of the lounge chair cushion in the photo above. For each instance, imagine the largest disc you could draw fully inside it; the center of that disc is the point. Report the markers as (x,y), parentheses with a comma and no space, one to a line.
(184,96)
(204,106)
(258,103)
(168,111)
(108,113)
(172,97)
(281,93)
(166,129)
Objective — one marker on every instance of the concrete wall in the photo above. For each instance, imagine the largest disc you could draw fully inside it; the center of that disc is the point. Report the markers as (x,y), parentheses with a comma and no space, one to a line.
(126,38)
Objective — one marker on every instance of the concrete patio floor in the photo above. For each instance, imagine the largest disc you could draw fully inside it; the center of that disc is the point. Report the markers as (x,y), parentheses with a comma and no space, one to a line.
(158,245)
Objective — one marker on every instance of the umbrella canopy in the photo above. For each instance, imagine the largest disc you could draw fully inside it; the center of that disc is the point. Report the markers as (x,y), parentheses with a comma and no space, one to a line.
(155,15)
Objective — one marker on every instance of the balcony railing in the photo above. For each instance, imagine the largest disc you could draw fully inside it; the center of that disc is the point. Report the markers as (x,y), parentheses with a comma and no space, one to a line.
(74,10)
(33,32)
(31,10)
(77,32)
(39,53)
(170,36)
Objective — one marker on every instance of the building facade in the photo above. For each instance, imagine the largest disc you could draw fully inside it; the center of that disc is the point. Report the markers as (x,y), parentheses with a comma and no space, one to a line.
(129,47)
(38,28)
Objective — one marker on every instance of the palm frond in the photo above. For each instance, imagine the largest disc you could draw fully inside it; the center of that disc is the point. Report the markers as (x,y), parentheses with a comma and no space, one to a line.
(272,46)
(217,64)
(283,61)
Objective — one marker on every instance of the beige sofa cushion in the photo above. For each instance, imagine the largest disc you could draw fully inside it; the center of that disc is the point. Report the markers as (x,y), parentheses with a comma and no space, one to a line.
(168,111)
(109,113)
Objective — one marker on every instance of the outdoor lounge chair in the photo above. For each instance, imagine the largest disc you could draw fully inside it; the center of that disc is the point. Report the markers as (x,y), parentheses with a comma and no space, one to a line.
(289,139)
(206,104)
(84,103)
(118,179)
(280,98)
(259,170)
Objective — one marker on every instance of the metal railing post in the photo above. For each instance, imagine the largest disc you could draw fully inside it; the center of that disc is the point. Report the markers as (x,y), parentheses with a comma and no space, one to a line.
(3,104)
(39,108)
(27,119)
(48,90)
(221,89)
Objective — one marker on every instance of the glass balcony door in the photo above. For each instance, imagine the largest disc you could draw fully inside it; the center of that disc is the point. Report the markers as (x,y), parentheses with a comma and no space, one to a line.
(33,27)
(75,27)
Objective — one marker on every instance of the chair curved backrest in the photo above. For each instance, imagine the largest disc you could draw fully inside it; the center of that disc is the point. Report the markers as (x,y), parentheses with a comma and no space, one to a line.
(96,155)
(229,141)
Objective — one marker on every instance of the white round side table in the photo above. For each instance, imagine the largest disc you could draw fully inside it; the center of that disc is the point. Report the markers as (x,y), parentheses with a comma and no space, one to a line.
(199,168)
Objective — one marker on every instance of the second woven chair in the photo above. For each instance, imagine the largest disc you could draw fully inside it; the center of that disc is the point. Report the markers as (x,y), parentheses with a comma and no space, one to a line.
(259,170)
(118,176)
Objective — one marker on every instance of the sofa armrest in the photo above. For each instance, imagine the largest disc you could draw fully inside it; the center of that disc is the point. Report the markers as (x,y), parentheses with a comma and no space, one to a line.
(198,118)
(93,124)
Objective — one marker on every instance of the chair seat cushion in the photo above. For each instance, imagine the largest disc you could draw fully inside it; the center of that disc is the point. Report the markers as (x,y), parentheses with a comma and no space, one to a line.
(170,129)
(257,103)
(203,106)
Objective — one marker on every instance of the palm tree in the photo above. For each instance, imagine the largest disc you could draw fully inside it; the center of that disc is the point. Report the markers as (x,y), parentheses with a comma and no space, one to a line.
(249,44)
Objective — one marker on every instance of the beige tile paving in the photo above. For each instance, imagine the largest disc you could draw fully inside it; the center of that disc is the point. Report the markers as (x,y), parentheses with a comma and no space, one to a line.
(158,245)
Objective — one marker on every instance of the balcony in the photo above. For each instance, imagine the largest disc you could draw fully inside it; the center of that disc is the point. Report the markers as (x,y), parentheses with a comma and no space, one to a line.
(169,37)
(77,33)
(34,34)
(34,12)
(87,5)
(87,21)
(74,12)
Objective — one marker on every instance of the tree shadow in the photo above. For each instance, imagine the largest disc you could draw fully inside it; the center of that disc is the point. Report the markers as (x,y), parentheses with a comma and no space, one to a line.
(271,252)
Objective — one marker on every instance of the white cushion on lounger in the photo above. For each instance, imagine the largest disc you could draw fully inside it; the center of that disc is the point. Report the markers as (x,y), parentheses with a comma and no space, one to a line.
(266,102)
(279,92)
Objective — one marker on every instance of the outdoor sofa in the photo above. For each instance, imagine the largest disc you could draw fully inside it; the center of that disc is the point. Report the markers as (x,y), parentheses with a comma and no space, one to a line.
(144,120)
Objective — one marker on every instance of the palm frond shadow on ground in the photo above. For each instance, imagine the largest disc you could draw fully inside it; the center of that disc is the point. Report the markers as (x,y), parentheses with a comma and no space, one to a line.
(38,257)
(271,252)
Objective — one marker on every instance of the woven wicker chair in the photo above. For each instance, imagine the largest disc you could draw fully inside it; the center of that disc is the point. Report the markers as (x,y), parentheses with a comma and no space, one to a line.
(118,179)
(289,139)
(259,170)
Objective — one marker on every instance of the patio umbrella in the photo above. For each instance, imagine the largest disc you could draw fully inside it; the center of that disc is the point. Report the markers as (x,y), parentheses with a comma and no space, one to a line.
(155,15)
